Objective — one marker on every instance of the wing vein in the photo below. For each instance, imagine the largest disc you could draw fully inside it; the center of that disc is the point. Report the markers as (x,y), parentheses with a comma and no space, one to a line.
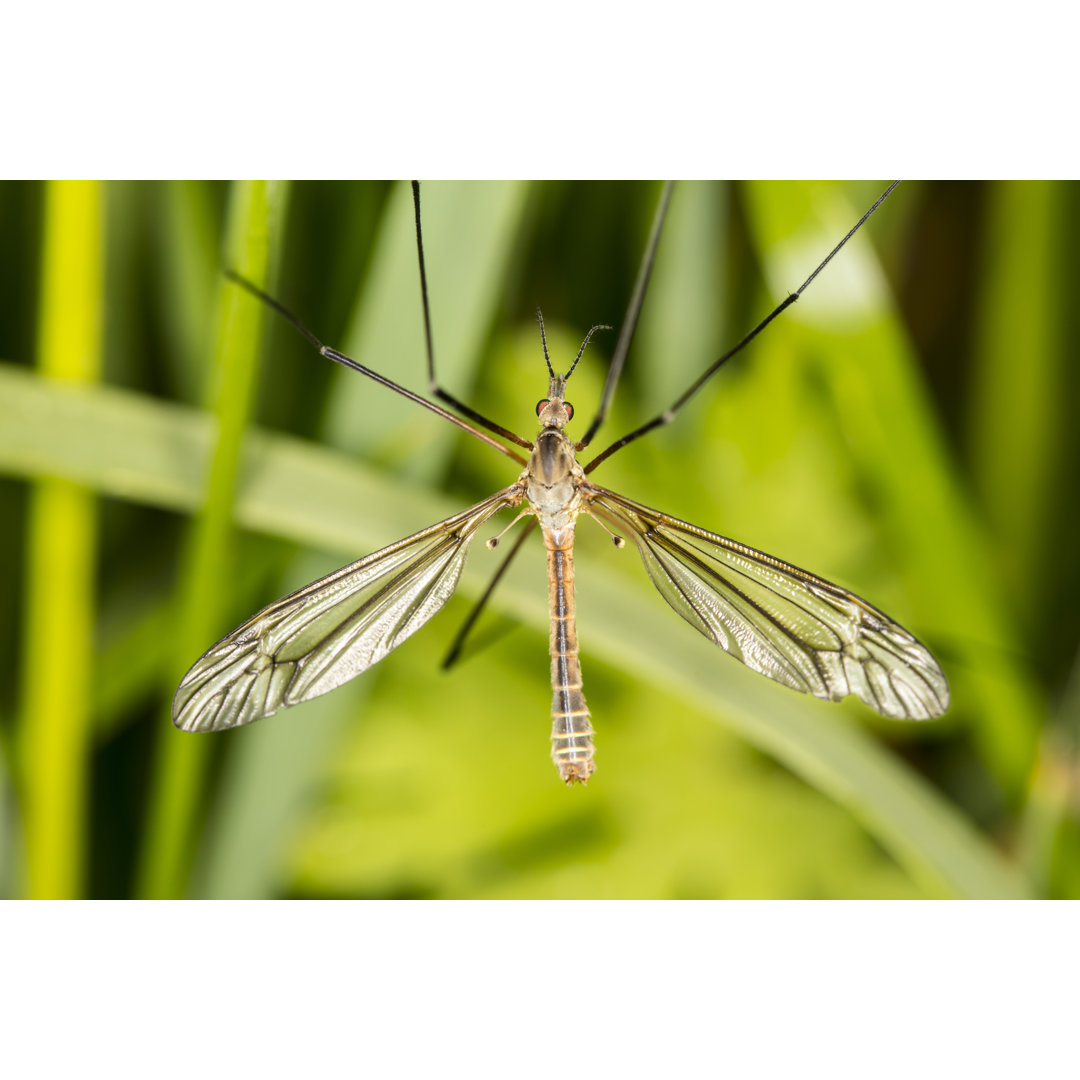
(326,633)
(778,619)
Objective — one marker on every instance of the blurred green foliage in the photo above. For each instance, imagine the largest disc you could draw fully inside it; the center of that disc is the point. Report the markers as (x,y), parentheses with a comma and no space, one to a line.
(904,430)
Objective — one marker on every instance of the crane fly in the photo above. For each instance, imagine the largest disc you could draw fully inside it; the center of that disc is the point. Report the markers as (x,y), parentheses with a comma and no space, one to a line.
(788,624)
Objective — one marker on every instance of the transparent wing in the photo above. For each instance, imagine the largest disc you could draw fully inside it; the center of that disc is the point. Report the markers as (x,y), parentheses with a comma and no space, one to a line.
(330,631)
(779,620)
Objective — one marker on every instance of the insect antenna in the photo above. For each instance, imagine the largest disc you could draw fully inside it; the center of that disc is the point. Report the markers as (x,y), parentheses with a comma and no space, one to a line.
(543,341)
(581,351)
(433,386)
(355,365)
(669,414)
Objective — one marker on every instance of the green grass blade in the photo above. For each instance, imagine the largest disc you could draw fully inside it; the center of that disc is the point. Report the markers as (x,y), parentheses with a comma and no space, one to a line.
(302,492)
(1019,404)
(62,549)
(469,232)
(189,243)
(256,218)
(680,326)
(1022,449)
(134,447)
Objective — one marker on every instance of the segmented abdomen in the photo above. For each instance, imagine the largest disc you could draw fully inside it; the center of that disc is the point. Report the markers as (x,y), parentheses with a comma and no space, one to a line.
(571,732)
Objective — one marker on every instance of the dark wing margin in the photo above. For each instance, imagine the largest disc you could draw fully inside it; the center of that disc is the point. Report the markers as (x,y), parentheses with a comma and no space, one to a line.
(326,633)
(779,620)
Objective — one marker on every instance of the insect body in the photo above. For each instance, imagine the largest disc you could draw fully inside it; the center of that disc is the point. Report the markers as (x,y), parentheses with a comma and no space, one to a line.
(777,619)
(555,487)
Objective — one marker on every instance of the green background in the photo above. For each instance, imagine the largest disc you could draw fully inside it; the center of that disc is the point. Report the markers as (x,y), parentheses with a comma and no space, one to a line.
(173,458)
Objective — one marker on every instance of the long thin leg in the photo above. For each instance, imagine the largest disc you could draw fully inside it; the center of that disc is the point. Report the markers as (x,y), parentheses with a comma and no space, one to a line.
(382,380)
(630,319)
(668,414)
(454,653)
(433,385)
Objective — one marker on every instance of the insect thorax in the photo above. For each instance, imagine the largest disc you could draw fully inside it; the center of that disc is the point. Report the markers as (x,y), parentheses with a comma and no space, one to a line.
(552,478)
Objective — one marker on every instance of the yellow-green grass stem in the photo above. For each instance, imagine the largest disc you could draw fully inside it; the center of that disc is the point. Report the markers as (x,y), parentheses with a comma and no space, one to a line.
(62,534)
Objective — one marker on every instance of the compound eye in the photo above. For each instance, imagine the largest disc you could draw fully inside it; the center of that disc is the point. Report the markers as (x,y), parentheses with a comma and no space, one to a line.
(541,405)
(569,410)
